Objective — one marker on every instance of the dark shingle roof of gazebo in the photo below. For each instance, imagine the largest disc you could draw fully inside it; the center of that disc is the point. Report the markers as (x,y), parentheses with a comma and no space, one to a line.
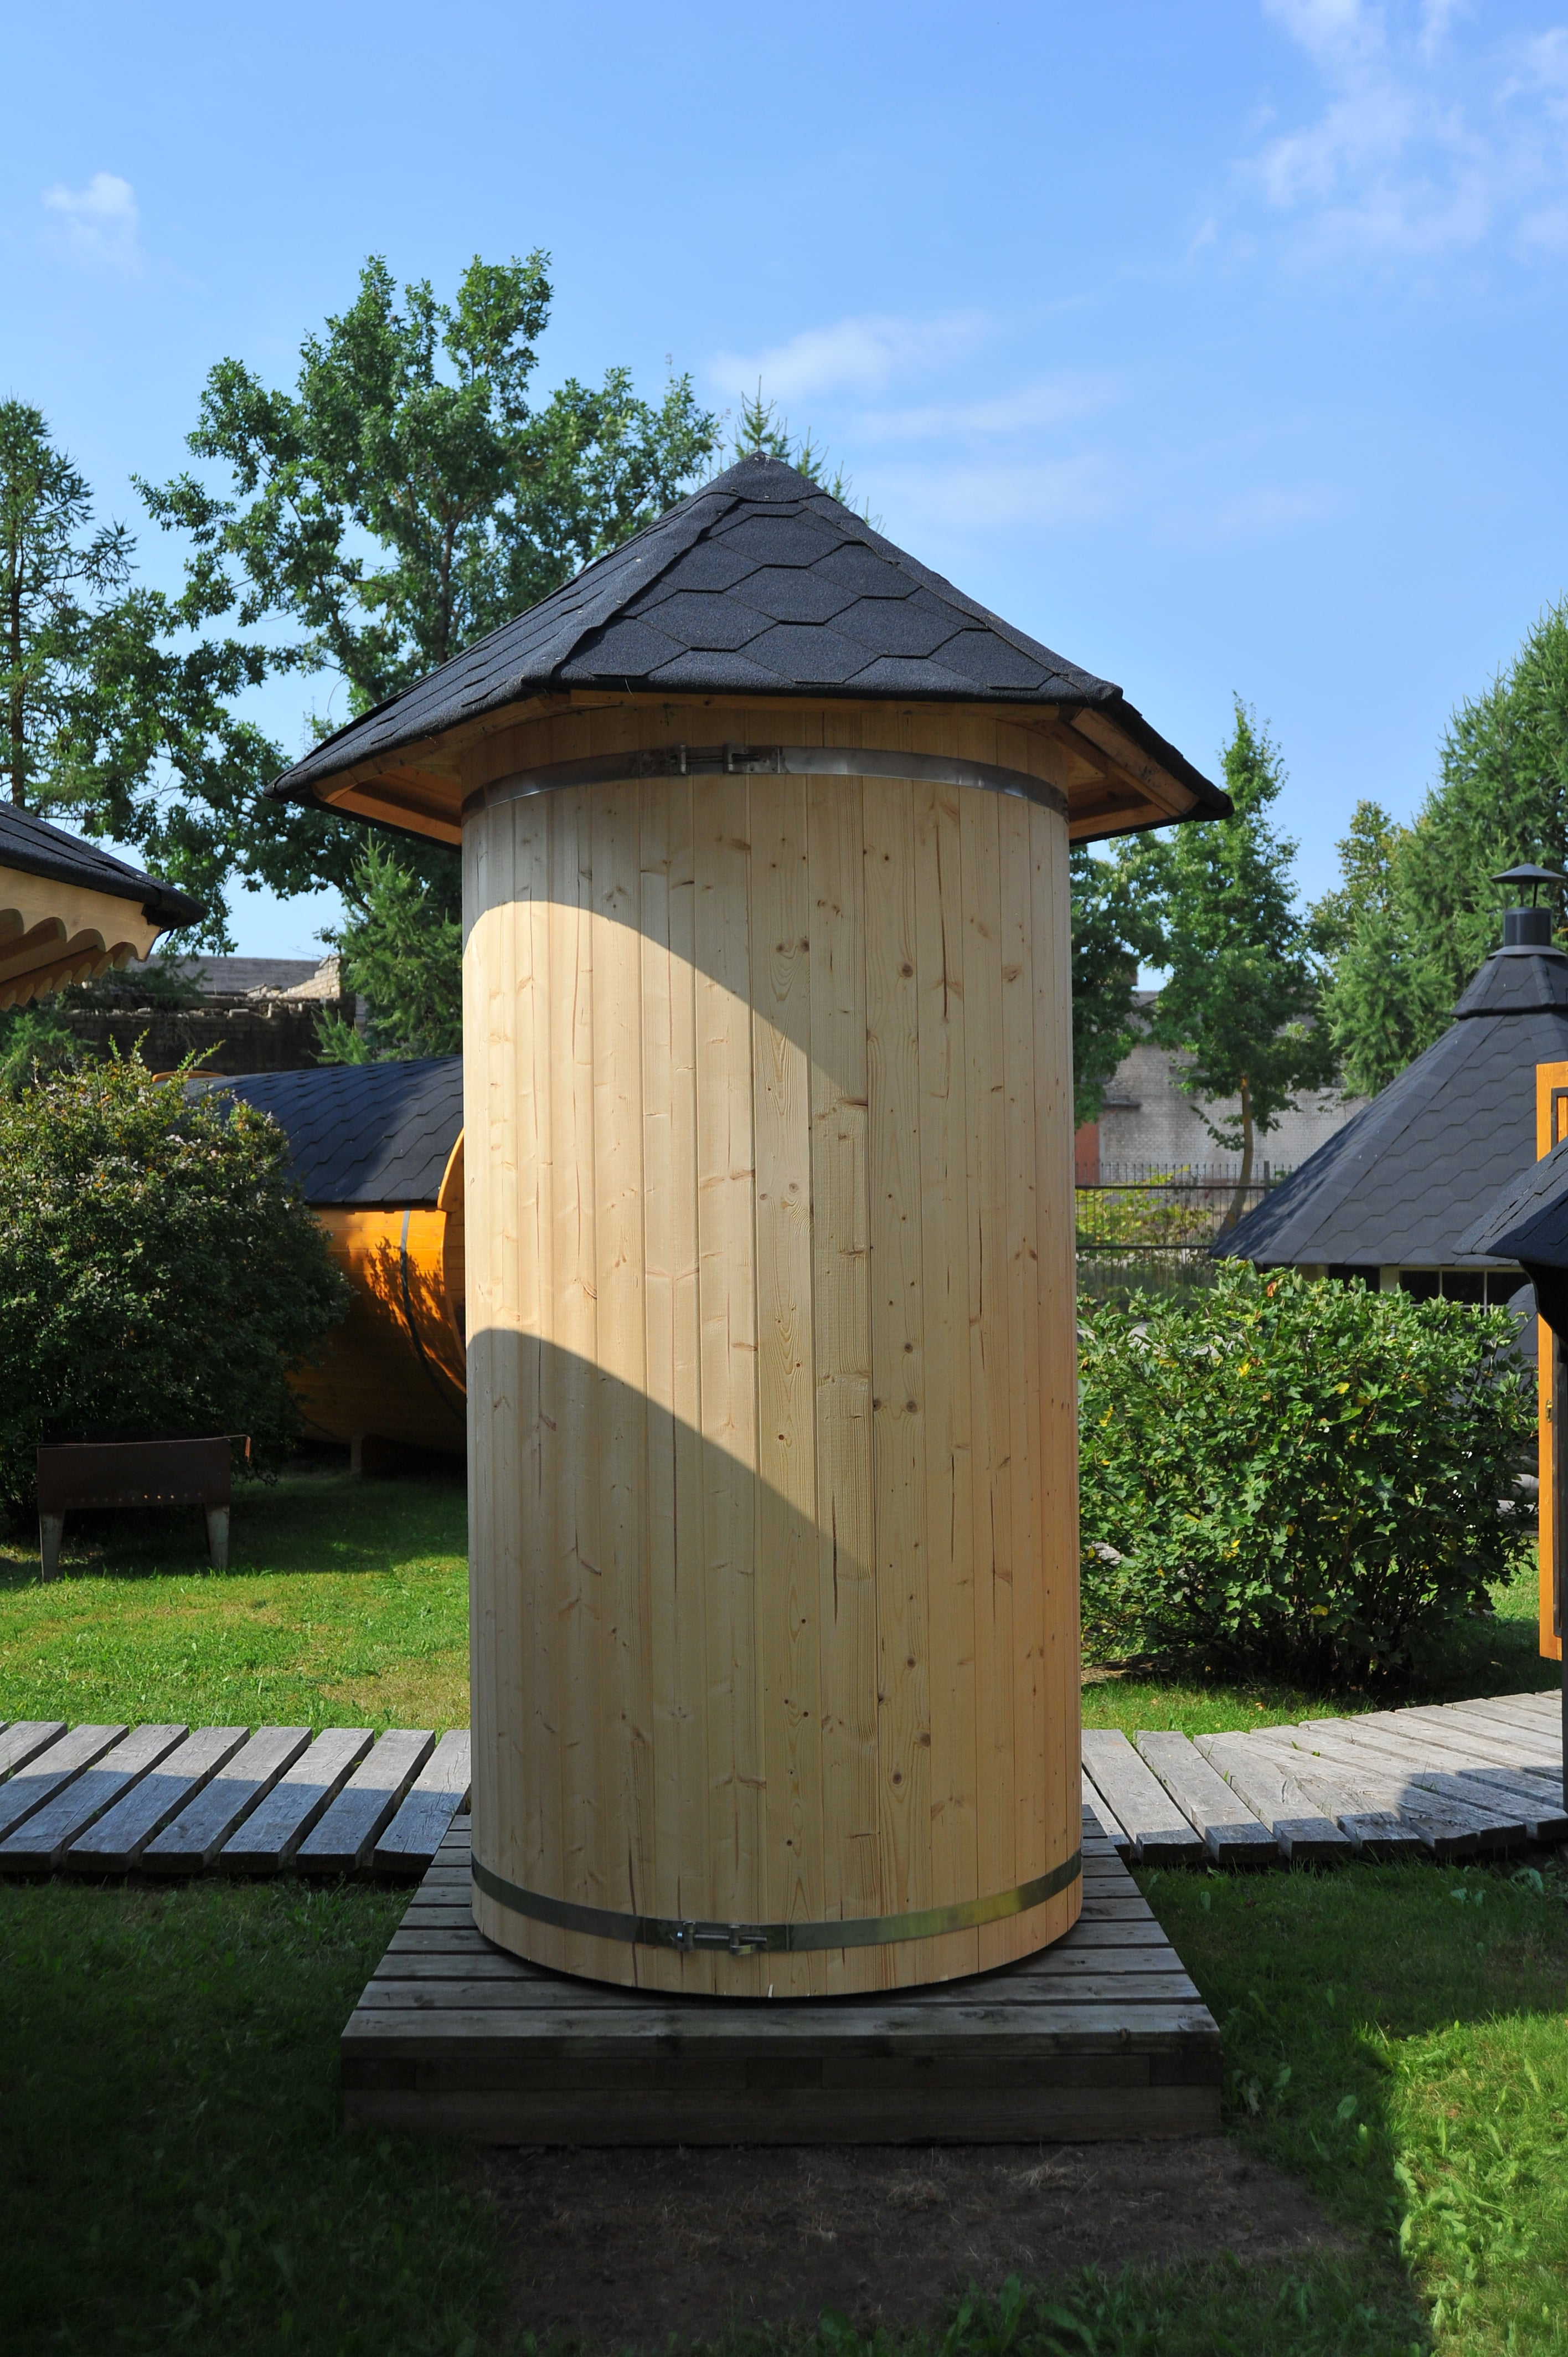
(759,584)
(1401,1185)
(364,1133)
(1529,1221)
(30,845)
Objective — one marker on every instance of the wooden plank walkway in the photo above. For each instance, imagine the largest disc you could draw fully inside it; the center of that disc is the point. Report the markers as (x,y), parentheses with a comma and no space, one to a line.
(1456,1780)
(1101,2035)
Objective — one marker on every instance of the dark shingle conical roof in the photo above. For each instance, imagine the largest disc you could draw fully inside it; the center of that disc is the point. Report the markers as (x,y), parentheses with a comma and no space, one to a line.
(1401,1185)
(760,583)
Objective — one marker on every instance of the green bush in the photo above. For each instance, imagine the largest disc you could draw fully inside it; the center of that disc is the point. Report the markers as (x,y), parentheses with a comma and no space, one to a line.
(1293,1476)
(159,1270)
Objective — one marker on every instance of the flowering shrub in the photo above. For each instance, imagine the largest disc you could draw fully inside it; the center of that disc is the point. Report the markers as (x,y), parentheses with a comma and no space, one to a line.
(1303,1476)
(159,1270)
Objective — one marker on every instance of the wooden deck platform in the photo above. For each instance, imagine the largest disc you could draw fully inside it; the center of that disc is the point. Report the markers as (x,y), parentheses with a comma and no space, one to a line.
(1102,2035)
(1459,1779)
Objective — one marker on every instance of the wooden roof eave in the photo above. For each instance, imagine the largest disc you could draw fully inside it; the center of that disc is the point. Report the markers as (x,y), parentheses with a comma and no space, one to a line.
(1110,784)
(52,935)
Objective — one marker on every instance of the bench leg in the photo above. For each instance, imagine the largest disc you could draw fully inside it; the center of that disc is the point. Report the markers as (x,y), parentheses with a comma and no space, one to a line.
(51,1530)
(217,1536)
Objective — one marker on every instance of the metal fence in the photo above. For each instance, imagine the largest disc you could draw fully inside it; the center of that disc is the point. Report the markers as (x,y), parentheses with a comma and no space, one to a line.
(1146,1227)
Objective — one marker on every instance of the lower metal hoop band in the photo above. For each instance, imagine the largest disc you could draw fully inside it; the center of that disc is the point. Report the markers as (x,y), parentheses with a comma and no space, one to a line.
(757,1939)
(764,761)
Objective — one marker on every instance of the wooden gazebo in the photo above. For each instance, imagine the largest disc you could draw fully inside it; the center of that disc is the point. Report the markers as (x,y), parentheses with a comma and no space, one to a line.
(68,911)
(769,1243)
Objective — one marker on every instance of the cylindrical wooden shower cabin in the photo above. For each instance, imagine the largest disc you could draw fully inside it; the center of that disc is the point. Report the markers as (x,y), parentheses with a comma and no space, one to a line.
(378,1152)
(769,1120)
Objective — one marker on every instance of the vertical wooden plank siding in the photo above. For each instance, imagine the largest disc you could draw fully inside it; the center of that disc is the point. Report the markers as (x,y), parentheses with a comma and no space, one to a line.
(841,1242)
(944,1296)
(1551,1127)
(623,1788)
(728,1368)
(988,1281)
(786,1660)
(773,1549)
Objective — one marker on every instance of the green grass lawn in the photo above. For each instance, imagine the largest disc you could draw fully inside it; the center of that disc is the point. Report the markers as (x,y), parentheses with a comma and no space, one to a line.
(173,2175)
(1500,1654)
(346,1603)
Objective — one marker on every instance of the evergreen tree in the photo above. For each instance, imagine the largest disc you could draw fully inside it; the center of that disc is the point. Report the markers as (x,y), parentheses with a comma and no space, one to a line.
(1408,931)
(405,959)
(1379,1005)
(1243,975)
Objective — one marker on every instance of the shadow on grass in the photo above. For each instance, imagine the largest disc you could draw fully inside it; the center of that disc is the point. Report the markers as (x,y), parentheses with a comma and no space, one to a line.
(312,1518)
(1396,2036)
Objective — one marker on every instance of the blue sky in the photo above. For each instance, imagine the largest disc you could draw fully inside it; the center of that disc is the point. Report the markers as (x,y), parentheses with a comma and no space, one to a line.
(1219,344)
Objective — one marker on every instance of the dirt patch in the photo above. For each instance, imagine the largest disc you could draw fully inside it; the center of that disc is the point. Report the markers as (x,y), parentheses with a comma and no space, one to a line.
(626,2248)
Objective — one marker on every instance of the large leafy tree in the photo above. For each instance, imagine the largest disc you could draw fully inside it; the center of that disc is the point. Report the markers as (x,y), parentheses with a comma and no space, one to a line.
(1244,975)
(1115,930)
(116,707)
(56,572)
(402,501)
(1416,911)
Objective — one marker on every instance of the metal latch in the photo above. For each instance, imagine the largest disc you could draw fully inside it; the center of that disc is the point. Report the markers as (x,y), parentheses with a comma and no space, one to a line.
(739,1938)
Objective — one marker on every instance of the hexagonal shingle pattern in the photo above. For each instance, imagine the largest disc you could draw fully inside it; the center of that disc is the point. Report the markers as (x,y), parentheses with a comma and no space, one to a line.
(1404,1184)
(758,584)
(365,1134)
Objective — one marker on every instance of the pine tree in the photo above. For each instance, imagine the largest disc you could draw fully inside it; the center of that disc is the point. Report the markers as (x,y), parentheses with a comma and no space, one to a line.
(1241,1000)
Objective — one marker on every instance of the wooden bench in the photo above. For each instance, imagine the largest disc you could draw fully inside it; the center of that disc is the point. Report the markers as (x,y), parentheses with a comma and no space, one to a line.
(77,1473)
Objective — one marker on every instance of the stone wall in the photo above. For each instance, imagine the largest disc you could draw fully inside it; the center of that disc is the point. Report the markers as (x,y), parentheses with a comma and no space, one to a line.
(229,1035)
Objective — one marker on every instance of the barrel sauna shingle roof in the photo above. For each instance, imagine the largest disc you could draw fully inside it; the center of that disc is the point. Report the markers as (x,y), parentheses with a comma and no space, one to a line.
(1403,1183)
(364,1133)
(29,846)
(759,584)
(1529,1221)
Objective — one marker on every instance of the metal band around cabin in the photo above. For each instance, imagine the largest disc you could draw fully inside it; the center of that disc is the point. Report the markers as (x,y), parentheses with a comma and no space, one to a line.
(765,762)
(773,1939)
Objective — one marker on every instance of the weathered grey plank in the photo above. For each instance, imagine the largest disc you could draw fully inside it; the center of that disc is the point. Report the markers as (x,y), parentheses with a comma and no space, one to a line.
(196,1836)
(24,1739)
(1101,1820)
(345,1837)
(1455,1777)
(438,1792)
(33,1785)
(40,1842)
(1160,1834)
(1506,1737)
(113,1843)
(1451,1827)
(1367,1805)
(1232,1833)
(1375,1831)
(269,1835)
(1441,1741)
(1304,1836)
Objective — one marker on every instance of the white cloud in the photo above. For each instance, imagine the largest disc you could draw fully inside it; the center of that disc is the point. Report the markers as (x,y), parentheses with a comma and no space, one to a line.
(852,356)
(980,497)
(100,222)
(1051,401)
(1434,138)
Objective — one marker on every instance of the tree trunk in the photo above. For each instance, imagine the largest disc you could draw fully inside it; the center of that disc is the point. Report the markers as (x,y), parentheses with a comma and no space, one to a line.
(1238,1199)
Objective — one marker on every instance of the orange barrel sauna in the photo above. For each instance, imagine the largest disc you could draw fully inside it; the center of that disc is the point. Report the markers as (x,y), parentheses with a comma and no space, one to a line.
(378,1152)
(768,1121)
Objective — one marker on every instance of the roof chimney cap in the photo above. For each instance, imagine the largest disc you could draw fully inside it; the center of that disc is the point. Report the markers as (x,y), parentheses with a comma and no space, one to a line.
(1526,872)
